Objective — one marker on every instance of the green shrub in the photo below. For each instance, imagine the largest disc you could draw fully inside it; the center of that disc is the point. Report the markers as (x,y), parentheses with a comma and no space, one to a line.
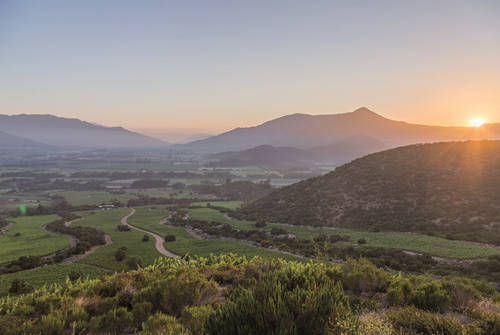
(134,262)
(19,286)
(170,238)
(121,254)
(145,238)
(161,324)
(361,276)
(115,321)
(414,321)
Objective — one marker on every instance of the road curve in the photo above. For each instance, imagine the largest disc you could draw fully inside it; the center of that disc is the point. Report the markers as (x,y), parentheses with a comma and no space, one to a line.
(159,239)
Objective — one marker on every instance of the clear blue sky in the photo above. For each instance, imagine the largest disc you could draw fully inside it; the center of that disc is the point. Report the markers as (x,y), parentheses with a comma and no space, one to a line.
(220,64)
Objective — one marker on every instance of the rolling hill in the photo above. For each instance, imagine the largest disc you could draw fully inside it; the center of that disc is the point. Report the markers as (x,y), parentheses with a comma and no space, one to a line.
(73,133)
(450,188)
(271,156)
(307,131)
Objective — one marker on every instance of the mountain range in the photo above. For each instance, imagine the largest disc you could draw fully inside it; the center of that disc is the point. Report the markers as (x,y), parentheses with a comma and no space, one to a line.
(72,133)
(305,131)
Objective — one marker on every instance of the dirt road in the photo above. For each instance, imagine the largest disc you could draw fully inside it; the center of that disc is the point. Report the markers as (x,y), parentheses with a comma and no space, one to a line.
(159,239)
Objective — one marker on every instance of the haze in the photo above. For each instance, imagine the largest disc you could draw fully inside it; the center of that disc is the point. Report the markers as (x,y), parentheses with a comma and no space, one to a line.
(213,66)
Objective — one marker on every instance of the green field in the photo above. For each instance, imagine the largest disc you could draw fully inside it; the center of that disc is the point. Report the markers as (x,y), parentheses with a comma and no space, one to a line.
(33,241)
(47,275)
(149,217)
(104,257)
(405,241)
(93,197)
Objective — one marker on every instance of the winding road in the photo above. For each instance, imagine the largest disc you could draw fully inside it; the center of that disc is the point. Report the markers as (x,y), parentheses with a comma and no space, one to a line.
(159,239)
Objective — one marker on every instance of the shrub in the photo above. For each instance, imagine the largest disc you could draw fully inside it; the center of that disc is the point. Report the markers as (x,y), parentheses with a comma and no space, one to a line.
(170,238)
(413,321)
(122,227)
(145,238)
(361,276)
(362,241)
(302,305)
(134,262)
(75,275)
(19,286)
(161,324)
(260,224)
(121,254)
(116,321)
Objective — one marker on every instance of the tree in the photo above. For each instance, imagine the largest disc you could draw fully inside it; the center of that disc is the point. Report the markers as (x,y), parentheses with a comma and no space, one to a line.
(170,238)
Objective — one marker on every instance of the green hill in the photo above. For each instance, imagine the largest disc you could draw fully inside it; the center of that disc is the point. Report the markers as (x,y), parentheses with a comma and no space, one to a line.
(448,188)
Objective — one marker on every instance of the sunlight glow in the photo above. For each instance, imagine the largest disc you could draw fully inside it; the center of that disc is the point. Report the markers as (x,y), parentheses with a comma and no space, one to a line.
(477,122)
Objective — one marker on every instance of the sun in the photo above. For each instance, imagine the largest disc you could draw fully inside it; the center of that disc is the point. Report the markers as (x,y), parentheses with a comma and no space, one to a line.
(477,122)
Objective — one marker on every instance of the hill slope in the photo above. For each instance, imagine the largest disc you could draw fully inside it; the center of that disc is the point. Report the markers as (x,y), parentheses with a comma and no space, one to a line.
(271,156)
(57,131)
(450,187)
(307,131)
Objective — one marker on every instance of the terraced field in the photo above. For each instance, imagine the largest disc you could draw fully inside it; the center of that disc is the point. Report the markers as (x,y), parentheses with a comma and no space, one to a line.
(26,237)
(406,241)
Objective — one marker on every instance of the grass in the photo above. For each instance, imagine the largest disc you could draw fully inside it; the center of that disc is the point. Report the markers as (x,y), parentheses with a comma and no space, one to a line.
(165,193)
(435,246)
(104,257)
(47,275)
(93,197)
(33,241)
(148,218)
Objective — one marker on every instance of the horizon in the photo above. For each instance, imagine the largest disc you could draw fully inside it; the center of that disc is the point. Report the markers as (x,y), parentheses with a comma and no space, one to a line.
(218,66)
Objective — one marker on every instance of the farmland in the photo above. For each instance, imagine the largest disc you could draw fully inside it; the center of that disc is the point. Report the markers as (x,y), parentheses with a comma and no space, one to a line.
(93,197)
(405,241)
(26,237)
(104,257)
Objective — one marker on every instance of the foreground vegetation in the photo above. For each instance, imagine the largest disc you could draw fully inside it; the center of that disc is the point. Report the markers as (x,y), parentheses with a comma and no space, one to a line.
(233,295)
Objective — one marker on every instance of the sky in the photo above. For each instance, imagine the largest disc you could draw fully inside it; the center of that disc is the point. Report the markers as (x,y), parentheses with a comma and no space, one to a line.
(208,66)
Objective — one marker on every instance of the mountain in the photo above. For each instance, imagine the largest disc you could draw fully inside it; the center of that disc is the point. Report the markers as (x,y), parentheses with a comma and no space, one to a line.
(443,187)
(271,156)
(64,132)
(11,142)
(307,131)
(263,155)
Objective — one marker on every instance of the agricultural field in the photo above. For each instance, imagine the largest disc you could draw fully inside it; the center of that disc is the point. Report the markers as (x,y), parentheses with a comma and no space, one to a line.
(434,246)
(107,222)
(50,274)
(26,237)
(93,197)
(149,218)
(166,193)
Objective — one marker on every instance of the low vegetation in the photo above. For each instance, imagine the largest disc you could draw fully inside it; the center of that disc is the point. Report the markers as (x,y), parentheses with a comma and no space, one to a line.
(234,295)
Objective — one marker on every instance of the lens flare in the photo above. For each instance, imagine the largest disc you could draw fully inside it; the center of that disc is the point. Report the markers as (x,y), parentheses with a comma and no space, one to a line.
(22,209)
(477,122)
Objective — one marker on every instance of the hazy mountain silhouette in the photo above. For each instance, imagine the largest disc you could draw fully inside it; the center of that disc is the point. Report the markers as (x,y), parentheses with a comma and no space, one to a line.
(307,131)
(65,132)
(271,156)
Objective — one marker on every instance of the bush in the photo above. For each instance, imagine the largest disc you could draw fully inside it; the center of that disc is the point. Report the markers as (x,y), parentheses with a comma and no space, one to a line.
(260,224)
(145,238)
(122,227)
(121,254)
(362,241)
(361,276)
(19,286)
(170,238)
(134,262)
(161,324)
(413,321)
(301,305)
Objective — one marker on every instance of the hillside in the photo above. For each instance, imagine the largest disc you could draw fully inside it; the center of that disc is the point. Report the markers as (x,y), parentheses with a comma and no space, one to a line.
(444,187)
(64,132)
(230,295)
(307,131)
(271,156)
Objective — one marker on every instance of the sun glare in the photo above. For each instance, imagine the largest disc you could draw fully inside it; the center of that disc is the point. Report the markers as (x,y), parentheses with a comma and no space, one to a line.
(477,122)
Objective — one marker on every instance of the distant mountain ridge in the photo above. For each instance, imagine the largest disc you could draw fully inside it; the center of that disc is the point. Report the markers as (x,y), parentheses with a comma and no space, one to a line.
(305,131)
(271,156)
(74,133)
